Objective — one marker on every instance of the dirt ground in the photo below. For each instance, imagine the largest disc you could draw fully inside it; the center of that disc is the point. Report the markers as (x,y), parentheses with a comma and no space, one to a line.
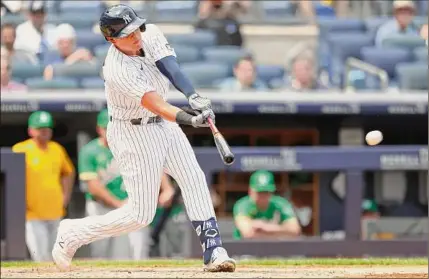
(241,272)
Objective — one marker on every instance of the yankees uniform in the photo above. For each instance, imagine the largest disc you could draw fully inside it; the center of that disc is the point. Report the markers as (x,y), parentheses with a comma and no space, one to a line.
(144,146)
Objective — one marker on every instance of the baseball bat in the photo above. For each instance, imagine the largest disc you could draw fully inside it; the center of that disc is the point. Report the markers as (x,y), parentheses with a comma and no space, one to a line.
(221,144)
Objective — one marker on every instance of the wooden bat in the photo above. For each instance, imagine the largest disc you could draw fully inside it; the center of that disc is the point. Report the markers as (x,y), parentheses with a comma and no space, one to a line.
(221,144)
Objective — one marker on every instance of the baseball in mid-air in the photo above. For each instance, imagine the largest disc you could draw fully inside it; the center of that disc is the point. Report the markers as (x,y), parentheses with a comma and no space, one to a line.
(374,137)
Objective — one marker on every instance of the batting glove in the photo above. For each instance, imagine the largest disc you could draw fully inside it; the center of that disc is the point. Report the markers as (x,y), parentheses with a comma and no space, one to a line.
(200,120)
(201,104)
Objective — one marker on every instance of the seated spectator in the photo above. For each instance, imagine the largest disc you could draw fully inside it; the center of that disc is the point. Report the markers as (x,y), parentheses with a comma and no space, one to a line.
(215,15)
(244,78)
(303,76)
(35,35)
(402,23)
(6,83)
(8,36)
(262,214)
(66,50)
(369,209)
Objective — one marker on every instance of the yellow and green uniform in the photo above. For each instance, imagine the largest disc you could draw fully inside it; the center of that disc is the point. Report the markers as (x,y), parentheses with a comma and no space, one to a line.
(279,209)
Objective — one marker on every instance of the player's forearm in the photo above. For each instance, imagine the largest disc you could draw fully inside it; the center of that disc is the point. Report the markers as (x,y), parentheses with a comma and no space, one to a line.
(67,182)
(101,194)
(169,67)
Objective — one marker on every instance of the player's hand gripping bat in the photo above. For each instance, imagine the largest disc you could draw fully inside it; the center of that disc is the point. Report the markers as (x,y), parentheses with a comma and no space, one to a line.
(221,144)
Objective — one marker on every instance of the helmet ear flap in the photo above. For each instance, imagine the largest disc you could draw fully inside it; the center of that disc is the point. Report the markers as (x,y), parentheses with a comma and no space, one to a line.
(143,27)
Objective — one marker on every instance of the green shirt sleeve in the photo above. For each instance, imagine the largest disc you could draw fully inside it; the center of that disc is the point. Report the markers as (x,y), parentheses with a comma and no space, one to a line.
(86,165)
(242,208)
(285,208)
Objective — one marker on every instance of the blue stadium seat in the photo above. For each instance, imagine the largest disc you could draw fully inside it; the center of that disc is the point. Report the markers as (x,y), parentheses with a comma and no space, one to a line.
(409,42)
(199,39)
(372,24)
(14,19)
(82,20)
(343,46)
(25,70)
(204,74)
(100,51)
(92,83)
(187,54)
(323,11)
(268,73)
(386,59)
(184,9)
(77,70)
(278,8)
(93,6)
(421,54)
(412,76)
(88,39)
(225,54)
(56,83)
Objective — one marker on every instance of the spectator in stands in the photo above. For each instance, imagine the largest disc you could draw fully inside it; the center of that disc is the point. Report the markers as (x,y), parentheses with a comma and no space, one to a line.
(245,77)
(50,179)
(369,209)
(219,17)
(262,214)
(67,52)
(6,83)
(424,32)
(304,76)
(402,23)
(99,172)
(8,36)
(35,35)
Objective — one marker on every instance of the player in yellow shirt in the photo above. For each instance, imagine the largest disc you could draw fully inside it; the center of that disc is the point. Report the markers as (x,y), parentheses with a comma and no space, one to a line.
(50,177)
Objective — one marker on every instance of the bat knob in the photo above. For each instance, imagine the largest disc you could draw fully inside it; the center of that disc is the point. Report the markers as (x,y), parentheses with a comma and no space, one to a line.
(229,159)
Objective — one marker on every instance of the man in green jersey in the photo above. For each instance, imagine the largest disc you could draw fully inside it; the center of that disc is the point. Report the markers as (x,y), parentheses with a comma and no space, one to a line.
(262,214)
(99,173)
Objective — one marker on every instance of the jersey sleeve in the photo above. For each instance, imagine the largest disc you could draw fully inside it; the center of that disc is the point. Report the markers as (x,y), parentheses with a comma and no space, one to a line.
(86,165)
(157,45)
(66,164)
(285,208)
(241,208)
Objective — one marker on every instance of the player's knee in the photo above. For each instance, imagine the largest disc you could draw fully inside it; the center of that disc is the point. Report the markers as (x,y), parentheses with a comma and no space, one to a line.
(143,217)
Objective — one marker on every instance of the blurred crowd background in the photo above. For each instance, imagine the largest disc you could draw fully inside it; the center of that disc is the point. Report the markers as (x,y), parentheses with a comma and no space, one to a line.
(227,46)
(56,44)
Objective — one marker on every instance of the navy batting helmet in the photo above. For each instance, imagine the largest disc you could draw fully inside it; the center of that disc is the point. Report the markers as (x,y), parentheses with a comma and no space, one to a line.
(119,21)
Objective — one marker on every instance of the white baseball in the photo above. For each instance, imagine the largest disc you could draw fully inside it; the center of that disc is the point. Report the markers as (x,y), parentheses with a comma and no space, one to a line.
(374,137)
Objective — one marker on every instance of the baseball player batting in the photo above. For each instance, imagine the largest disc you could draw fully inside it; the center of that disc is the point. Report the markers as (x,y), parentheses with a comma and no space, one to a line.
(146,140)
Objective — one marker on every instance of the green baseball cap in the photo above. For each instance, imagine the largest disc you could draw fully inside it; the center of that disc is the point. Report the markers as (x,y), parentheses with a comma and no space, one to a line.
(103,118)
(262,181)
(40,119)
(369,205)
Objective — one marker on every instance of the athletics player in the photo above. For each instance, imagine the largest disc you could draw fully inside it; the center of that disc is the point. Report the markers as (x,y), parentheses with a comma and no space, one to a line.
(98,171)
(50,177)
(146,140)
(262,214)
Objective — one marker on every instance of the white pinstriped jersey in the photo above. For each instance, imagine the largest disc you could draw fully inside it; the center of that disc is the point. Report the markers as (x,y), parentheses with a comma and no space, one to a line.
(128,78)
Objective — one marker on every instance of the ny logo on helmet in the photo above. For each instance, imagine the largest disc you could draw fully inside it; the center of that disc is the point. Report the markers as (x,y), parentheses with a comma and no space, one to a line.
(127,19)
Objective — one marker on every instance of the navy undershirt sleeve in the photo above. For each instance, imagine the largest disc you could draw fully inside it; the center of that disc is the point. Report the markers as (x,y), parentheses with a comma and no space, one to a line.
(169,67)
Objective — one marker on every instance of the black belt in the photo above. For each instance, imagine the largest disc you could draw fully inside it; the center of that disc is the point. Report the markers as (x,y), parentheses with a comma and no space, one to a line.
(138,121)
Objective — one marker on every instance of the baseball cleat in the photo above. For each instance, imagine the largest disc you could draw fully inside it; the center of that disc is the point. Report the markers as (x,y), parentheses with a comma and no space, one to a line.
(220,261)
(61,255)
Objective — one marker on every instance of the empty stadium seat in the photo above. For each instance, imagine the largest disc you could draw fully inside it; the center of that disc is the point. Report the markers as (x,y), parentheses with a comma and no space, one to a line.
(56,83)
(82,20)
(24,70)
(421,54)
(409,42)
(92,82)
(385,59)
(278,8)
(100,51)
(199,39)
(372,24)
(204,75)
(343,46)
(77,70)
(412,76)
(268,73)
(93,6)
(88,39)
(184,9)
(224,54)
(328,25)
(187,54)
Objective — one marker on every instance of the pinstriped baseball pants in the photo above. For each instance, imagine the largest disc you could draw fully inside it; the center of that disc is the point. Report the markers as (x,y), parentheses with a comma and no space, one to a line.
(143,153)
